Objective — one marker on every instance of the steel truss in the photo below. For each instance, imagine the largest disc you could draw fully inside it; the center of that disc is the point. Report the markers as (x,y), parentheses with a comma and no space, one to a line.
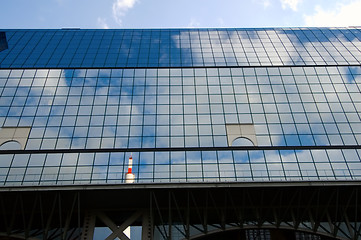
(181,211)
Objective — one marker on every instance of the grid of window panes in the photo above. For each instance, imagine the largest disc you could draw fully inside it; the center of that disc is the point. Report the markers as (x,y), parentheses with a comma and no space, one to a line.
(181,47)
(181,166)
(181,107)
(152,108)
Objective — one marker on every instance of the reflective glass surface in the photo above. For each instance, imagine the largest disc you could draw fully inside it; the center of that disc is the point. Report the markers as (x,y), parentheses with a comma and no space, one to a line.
(93,98)
(181,47)
(171,107)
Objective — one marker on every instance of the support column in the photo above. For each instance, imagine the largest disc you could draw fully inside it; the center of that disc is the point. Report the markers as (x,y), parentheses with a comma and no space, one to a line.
(88,226)
(147,226)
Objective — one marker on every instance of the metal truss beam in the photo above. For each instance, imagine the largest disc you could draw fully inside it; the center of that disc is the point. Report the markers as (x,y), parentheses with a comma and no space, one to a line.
(170,211)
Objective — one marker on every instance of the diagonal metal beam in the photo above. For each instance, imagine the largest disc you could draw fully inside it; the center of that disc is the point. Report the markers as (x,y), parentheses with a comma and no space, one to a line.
(197,209)
(109,223)
(159,213)
(118,231)
(32,214)
(236,210)
(68,218)
(180,215)
(50,217)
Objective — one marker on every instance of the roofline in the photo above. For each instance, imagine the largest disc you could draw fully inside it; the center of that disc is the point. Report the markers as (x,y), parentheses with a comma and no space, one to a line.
(182,28)
(181,185)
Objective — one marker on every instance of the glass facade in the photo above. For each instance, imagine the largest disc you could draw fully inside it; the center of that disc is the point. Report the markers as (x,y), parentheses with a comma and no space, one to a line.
(171,99)
(181,47)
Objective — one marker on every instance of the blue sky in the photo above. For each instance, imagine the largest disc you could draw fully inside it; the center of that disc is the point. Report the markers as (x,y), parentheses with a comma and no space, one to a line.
(178,14)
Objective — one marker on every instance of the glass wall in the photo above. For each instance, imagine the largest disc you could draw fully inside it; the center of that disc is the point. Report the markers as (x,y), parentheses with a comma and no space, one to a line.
(84,101)
(161,108)
(161,115)
(181,47)
(180,166)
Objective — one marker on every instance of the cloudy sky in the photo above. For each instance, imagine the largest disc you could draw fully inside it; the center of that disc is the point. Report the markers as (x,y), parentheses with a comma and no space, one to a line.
(178,14)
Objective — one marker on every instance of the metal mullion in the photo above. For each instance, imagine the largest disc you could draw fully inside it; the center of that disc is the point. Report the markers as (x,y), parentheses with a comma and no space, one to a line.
(143,117)
(189,67)
(10,167)
(196,115)
(47,116)
(105,108)
(120,44)
(110,43)
(275,48)
(340,42)
(352,102)
(211,123)
(278,115)
(49,40)
(155,121)
(89,126)
(72,137)
(28,39)
(13,97)
(232,46)
(18,39)
(317,50)
(169,128)
(60,167)
(333,118)
(51,107)
(183,124)
(176,149)
(103,125)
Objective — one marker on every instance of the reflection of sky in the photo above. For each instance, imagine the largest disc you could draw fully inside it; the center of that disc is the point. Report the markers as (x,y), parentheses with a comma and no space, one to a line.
(181,166)
(184,107)
(112,108)
(181,47)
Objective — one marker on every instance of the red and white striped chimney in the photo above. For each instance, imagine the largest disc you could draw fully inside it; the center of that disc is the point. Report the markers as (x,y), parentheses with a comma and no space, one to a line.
(130,177)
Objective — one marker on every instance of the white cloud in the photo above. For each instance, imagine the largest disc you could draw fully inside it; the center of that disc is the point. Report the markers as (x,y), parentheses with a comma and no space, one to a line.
(342,15)
(194,23)
(220,22)
(293,4)
(266,3)
(102,23)
(120,7)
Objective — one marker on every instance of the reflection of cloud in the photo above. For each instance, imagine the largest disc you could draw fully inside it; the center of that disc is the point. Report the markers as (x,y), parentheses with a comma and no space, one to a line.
(293,4)
(120,7)
(341,16)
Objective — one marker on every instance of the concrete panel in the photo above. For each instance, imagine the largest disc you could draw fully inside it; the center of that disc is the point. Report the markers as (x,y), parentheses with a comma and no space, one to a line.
(235,131)
(18,134)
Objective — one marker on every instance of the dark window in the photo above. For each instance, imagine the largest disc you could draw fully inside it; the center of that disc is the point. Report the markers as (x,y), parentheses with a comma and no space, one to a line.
(3,41)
